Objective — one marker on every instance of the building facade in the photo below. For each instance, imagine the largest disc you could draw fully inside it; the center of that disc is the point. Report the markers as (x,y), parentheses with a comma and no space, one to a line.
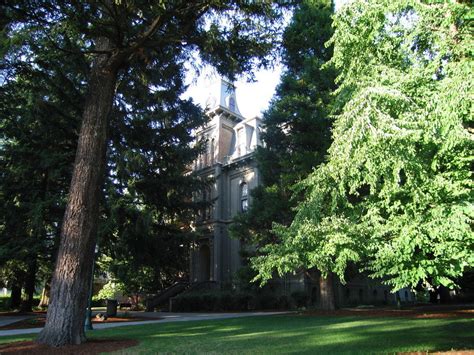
(230,142)
(228,160)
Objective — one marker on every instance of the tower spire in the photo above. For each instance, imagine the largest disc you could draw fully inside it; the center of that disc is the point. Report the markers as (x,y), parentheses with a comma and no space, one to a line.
(222,93)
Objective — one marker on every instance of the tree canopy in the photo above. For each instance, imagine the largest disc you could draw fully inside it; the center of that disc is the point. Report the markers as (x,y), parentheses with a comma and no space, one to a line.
(140,46)
(395,196)
(296,132)
(39,113)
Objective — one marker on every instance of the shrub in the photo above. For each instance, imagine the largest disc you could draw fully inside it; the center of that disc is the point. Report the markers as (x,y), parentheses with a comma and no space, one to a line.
(267,301)
(110,290)
(244,301)
(213,301)
(5,303)
(284,302)
(220,301)
(98,302)
(227,302)
(300,298)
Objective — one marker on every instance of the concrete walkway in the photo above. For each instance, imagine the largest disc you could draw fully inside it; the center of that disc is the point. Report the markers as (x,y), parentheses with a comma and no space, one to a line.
(13,319)
(166,318)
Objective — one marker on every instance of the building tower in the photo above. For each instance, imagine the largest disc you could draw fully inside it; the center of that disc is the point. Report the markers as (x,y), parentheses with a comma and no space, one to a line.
(231,141)
(229,159)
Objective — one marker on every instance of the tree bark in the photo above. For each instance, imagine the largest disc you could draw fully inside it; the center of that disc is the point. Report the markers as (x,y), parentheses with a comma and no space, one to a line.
(326,289)
(15,297)
(433,296)
(30,285)
(70,283)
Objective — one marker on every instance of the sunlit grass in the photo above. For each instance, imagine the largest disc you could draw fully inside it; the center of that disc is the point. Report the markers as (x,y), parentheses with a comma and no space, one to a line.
(295,334)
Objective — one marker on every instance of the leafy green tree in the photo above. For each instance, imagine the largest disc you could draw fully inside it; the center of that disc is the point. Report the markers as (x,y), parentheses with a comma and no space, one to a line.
(395,196)
(119,42)
(109,290)
(296,126)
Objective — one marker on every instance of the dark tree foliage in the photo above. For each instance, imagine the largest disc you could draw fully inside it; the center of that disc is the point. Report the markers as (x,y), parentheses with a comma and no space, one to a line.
(39,112)
(148,153)
(297,124)
(148,192)
(296,129)
(122,43)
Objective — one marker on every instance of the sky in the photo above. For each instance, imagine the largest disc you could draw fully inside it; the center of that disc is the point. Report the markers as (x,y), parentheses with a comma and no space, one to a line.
(252,98)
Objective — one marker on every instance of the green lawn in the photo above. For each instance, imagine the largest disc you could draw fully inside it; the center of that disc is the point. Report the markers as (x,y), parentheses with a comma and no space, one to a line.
(296,335)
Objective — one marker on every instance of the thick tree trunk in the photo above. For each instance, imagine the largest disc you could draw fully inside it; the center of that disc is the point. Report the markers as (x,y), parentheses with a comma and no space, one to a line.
(444,295)
(30,285)
(15,297)
(70,283)
(433,296)
(326,289)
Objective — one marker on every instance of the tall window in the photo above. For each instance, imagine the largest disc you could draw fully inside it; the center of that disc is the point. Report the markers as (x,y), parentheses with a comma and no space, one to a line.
(240,142)
(244,197)
(206,153)
(213,141)
(232,104)
(207,210)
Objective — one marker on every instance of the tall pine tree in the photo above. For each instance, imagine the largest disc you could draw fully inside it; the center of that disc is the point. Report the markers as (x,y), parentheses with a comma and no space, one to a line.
(297,125)
(115,40)
(148,190)
(40,114)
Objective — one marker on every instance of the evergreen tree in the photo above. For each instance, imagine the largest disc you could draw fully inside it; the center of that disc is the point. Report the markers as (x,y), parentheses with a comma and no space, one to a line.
(297,125)
(148,192)
(39,112)
(119,40)
(396,193)
(147,153)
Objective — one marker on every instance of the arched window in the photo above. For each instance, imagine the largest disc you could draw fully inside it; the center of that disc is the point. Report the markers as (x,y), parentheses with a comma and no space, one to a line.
(244,197)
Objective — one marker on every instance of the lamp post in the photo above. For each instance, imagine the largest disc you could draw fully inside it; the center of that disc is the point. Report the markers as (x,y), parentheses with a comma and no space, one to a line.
(88,322)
